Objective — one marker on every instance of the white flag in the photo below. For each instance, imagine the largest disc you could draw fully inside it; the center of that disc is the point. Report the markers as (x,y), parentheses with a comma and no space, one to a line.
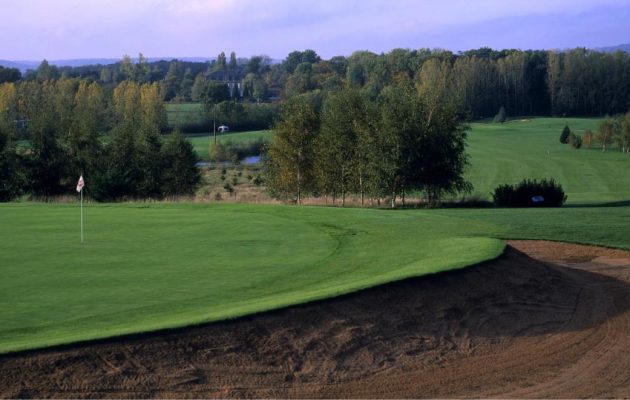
(80,184)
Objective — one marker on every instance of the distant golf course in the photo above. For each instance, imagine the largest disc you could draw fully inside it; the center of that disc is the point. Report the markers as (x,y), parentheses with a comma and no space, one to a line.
(530,148)
(150,266)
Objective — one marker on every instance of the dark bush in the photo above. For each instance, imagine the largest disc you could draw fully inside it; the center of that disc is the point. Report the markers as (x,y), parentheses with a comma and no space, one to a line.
(564,136)
(530,193)
(575,141)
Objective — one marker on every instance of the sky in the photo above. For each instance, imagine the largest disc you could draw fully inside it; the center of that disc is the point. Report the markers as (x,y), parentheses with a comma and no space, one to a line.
(70,29)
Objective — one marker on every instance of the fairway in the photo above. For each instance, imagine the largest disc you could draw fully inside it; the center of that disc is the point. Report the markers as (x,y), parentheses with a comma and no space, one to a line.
(150,267)
(530,148)
(201,142)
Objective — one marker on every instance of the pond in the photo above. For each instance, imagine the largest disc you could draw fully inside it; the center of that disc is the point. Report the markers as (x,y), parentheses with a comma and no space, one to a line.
(251,160)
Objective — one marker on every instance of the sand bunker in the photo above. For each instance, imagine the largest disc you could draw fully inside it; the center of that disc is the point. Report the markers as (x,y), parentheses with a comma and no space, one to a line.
(544,320)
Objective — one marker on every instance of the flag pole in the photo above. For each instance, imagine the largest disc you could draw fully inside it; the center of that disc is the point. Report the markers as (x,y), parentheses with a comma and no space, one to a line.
(81,215)
(80,185)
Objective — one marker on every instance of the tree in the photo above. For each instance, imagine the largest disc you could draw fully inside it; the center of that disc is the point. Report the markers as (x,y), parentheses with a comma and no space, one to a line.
(148,140)
(575,140)
(185,90)
(83,144)
(221,62)
(624,133)
(198,88)
(337,160)
(587,139)
(291,153)
(9,74)
(12,175)
(232,65)
(606,132)
(216,92)
(45,71)
(180,175)
(564,136)
(47,162)
(173,80)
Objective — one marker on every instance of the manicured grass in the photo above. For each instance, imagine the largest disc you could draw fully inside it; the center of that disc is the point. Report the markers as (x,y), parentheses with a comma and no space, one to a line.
(148,267)
(144,267)
(529,148)
(201,142)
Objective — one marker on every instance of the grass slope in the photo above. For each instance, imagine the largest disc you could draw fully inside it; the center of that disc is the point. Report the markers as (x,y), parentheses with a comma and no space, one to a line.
(150,267)
(530,148)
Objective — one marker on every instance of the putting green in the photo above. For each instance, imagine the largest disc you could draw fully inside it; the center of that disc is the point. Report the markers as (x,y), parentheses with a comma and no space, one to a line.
(145,268)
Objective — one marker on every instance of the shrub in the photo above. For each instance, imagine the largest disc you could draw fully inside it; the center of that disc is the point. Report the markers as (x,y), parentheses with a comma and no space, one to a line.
(575,141)
(564,136)
(530,193)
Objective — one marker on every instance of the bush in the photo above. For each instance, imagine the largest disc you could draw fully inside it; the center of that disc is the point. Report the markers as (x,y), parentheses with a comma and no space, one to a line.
(575,141)
(530,193)
(564,136)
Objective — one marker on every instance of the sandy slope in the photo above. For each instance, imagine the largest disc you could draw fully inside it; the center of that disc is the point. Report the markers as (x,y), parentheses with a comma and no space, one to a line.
(544,320)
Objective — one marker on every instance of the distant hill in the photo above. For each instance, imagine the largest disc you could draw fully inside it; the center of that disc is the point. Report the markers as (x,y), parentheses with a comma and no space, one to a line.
(622,47)
(24,65)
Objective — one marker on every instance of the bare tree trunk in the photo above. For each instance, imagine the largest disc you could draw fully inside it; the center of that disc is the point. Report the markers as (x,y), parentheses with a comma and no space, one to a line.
(393,199)
(361,186)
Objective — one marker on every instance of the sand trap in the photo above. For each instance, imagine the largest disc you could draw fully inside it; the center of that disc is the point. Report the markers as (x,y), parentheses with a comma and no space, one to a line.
(545,320)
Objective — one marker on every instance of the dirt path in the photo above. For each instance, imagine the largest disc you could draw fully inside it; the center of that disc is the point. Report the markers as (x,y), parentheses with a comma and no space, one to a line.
(545,320)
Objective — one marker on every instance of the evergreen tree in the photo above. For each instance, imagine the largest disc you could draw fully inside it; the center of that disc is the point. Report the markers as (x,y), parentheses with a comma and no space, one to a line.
(564,136)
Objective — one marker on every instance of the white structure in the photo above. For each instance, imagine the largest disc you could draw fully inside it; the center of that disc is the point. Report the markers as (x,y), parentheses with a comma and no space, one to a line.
(224,128)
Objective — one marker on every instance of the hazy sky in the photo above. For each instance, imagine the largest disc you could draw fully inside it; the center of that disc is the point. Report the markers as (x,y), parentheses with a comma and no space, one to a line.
(61,29)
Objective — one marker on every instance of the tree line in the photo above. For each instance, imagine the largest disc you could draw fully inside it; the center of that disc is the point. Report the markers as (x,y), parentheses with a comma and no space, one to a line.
(577,82)
(407,139)
(51,131)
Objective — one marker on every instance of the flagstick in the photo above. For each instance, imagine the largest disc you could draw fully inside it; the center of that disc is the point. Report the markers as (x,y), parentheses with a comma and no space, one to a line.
(81,215)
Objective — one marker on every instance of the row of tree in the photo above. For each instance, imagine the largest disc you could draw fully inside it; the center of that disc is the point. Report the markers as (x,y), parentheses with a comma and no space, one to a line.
(52,131)
(611,130)
(345,142)
(533,82)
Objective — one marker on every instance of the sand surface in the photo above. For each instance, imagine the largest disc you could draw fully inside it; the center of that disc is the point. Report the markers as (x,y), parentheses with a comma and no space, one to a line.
(545,320)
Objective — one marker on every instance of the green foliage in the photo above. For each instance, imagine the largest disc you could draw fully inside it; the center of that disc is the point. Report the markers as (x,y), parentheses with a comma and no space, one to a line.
(228,150)
(564,136)
(608,128)
(575,140)
(530,193)
(12,174)
(292,152)
(180,175)
(406,140)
